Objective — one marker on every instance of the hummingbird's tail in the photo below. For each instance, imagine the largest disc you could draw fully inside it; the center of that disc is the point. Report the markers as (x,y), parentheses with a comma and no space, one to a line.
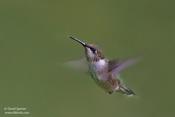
(126,91)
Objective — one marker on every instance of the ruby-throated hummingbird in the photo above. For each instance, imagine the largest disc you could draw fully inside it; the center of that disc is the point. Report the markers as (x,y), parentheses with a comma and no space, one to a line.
(106,72)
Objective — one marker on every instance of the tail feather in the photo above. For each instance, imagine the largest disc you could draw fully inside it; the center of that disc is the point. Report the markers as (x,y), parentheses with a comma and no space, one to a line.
(126,91)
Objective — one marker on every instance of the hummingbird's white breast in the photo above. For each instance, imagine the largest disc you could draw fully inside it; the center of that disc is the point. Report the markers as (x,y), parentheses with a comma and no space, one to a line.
(100,69)
(100,65)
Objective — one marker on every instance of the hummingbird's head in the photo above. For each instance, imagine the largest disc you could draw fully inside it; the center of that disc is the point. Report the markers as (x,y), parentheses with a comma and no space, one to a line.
(92,52)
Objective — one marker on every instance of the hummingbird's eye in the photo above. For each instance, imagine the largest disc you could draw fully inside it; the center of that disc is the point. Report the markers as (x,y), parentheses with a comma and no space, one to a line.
(93,50)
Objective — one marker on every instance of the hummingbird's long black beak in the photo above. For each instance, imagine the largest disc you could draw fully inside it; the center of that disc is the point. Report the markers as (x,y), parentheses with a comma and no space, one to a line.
(79,41)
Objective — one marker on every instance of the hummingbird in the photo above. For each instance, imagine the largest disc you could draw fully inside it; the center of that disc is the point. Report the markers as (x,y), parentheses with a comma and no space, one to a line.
(105,72)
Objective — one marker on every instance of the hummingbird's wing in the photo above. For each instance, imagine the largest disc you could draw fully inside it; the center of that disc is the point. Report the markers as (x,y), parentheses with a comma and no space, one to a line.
(79,65)
(116,66)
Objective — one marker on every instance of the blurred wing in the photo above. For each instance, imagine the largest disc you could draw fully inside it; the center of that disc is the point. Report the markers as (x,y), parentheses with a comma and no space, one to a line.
(79,65)
(117,66)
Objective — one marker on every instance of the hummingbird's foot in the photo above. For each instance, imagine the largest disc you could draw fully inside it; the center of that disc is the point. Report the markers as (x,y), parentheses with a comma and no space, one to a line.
(110,92)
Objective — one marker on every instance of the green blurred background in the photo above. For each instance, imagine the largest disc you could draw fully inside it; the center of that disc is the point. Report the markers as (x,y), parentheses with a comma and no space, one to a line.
(34,45)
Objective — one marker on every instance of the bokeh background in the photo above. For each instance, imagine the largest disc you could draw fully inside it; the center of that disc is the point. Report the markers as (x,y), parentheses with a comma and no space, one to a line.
(34,45)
